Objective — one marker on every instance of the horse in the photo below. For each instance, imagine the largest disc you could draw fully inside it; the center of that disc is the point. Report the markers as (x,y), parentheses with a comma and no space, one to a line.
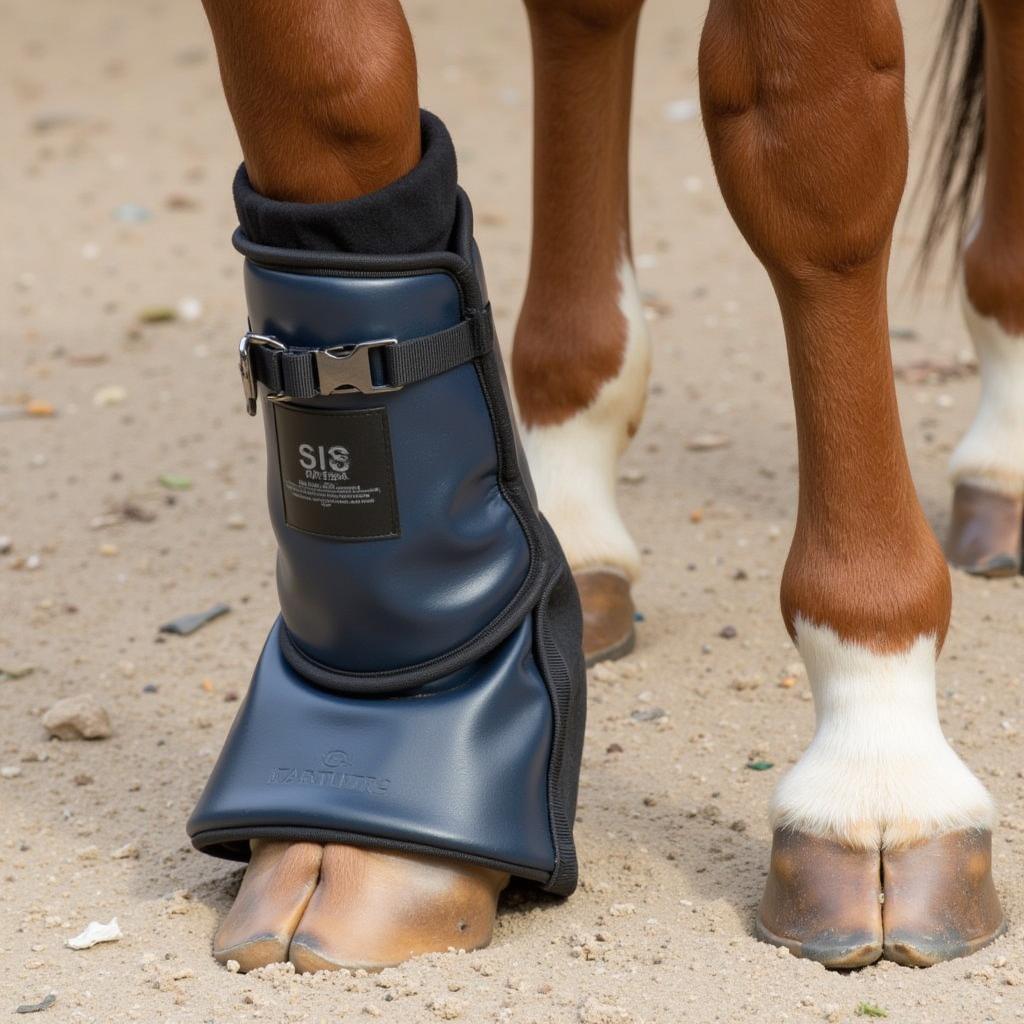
(882,835)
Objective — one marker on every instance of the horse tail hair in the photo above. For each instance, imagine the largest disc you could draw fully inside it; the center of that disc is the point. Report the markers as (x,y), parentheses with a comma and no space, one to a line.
(955,92)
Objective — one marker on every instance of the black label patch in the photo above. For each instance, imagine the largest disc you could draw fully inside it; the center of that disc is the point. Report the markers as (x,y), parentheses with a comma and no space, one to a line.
(337,474)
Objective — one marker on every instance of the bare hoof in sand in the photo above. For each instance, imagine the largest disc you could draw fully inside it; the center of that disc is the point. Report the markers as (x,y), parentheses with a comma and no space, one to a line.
(985,534)
(328,907)
(608,614)
(917,905)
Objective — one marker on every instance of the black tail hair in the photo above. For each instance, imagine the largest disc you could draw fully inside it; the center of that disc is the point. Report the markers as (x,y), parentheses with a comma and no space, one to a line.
(954,156)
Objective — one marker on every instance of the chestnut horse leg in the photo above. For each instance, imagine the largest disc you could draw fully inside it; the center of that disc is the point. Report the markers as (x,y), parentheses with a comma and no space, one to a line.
(803,105)
(988,464)
(581,354)
(325,103)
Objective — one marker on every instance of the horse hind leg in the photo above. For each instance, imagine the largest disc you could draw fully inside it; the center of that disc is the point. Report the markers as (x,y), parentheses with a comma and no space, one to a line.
(987,466)
(581,356)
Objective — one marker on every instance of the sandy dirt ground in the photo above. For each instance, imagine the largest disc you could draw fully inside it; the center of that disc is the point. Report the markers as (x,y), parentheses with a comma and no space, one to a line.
(122,303)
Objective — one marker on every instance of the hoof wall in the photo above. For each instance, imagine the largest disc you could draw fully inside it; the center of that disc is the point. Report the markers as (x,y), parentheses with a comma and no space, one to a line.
(308,958)
(985,534)
(940,900)
(271,900)
(256,952)
(608,615)
(822,901)
(846,952)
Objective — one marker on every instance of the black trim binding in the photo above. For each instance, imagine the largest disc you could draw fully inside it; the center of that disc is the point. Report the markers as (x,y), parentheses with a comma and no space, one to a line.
(558,624)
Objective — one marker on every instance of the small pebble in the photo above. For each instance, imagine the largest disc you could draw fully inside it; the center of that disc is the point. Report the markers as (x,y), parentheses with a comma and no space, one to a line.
(16,671)
(131,213)
(186,624)
(708,442)
(158,315)
(681,110)
(647,714)
(112,394)
(79,717)
(189,309)
(43,1004)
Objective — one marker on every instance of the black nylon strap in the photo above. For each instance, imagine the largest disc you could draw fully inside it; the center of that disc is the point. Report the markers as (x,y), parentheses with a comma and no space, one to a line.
(294,373)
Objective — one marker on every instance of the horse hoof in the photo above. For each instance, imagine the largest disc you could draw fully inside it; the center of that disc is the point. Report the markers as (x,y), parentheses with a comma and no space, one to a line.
(822,901)
(608,614)
(374,909)
(940,901)
(985,535)
(275,891)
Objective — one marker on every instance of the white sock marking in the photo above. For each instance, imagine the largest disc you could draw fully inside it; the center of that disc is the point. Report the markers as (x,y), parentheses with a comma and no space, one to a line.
(991,453)
(878,772)
(574,464)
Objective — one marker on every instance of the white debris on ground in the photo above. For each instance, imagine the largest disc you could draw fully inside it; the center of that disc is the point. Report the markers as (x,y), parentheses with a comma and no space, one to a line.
(95,933)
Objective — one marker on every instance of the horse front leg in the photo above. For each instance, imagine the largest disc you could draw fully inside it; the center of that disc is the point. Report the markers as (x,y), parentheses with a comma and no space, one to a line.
(581,356)
(882,834)
(324,100)
(987,466)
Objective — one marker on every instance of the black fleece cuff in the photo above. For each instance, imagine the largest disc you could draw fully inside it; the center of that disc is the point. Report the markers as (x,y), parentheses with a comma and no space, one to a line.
(411,215)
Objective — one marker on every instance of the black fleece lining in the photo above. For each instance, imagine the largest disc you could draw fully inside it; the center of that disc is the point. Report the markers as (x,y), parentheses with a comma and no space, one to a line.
(414,214)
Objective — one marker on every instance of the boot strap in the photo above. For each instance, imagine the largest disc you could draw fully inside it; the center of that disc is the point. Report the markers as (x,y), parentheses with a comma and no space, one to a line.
(369,367)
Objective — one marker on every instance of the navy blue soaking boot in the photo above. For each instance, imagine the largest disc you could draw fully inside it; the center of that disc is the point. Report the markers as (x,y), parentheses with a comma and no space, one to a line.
(423,689)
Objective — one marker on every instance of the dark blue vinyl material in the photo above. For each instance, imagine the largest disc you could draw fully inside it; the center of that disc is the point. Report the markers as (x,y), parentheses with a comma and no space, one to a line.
(422,692)
(462,770)
(383,605)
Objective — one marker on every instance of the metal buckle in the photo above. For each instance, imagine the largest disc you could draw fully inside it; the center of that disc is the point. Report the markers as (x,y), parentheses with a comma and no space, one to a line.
(249,384)
(348,368)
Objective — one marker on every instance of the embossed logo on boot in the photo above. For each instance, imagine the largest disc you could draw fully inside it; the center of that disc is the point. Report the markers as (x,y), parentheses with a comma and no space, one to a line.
(335,771)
